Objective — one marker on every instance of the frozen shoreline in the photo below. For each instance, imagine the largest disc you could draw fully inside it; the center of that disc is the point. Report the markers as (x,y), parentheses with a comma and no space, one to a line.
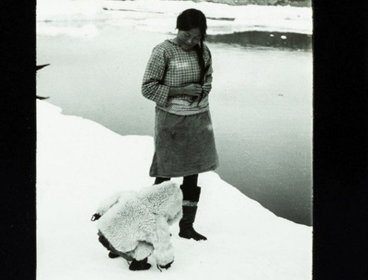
(160,16)
(80,162)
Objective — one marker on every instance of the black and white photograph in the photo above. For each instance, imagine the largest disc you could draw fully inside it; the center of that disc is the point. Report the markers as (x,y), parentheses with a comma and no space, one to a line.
(174,139)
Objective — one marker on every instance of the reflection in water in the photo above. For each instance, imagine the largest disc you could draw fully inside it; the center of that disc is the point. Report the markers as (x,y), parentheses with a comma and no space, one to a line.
(267,39)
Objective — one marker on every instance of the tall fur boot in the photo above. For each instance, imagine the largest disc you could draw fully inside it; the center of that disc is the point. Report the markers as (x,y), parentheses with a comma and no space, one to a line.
(190,200)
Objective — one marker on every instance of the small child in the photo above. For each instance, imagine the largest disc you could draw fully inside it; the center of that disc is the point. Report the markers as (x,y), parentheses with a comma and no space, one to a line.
(135,225)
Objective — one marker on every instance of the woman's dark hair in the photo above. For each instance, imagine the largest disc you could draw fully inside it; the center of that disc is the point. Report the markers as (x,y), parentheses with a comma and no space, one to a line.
(190,19)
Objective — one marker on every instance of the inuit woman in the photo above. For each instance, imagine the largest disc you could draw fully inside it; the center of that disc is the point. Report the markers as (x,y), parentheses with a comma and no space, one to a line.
(178,79)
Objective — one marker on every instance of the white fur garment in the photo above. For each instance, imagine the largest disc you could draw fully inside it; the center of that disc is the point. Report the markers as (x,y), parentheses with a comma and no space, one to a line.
(137,223)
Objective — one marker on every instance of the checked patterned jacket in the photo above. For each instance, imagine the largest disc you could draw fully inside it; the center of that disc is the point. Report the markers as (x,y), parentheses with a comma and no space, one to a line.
(171,66)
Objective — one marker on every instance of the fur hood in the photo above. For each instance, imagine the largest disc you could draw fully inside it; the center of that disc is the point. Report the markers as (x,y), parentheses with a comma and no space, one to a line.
(137,223)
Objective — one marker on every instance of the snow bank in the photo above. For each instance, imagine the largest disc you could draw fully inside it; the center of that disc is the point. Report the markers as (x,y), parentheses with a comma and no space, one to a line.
(80,162)
(68,9)
(223,19)
(160,15)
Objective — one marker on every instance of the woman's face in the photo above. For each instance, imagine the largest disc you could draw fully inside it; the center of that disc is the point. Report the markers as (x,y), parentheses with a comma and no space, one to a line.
(188,39)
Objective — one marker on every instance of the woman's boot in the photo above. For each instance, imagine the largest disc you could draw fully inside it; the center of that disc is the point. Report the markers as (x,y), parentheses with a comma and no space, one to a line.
(190,201)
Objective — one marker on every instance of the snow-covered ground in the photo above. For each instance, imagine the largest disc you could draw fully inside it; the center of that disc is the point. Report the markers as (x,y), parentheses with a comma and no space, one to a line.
(80,162)
(55,16)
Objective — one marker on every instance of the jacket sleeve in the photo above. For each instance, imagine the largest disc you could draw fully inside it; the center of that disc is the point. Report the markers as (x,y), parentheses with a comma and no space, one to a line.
(207,85)
(108,203)
(163,249)
(152,87)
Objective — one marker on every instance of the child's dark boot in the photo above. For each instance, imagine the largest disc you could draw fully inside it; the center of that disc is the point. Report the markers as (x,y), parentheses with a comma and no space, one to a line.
(139,265)
(113,255)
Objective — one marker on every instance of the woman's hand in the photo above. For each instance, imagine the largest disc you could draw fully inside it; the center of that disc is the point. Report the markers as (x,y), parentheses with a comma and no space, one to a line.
(191,90)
